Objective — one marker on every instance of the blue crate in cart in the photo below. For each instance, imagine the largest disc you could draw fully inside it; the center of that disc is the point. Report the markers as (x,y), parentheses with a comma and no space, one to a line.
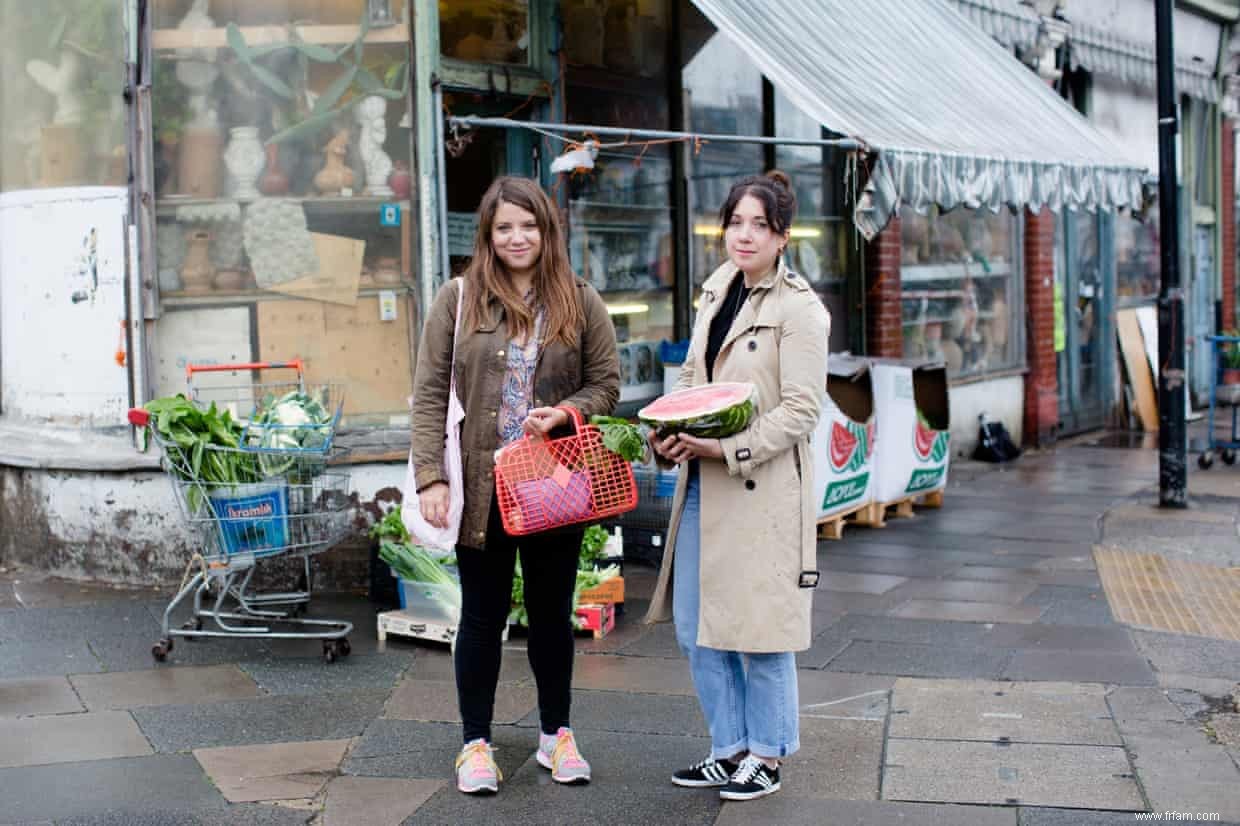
(253,518)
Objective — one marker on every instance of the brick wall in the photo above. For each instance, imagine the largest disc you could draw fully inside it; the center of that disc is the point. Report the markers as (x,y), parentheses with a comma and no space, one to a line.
(1227,199)
(1041,382)
(883,334)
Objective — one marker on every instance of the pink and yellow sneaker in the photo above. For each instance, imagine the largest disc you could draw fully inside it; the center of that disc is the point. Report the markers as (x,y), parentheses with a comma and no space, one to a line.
(559,753)
(476,772)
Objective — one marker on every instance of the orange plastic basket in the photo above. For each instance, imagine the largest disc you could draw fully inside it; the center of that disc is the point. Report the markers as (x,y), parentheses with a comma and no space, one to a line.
(549,483)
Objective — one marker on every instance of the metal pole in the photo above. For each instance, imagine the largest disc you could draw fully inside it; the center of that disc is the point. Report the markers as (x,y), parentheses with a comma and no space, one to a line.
(644,134)
(1172,438)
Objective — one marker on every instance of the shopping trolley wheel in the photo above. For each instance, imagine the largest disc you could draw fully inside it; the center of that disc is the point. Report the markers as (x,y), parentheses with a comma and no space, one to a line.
(1205,460)
(160,649)
(192,625)
(1229,456)
(344,648)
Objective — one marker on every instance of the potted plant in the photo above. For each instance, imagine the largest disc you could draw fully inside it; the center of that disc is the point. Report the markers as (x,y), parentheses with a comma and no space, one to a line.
(1230,358)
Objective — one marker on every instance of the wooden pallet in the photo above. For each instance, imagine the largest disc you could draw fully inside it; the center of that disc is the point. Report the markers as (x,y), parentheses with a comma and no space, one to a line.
(832,527)
(903,508)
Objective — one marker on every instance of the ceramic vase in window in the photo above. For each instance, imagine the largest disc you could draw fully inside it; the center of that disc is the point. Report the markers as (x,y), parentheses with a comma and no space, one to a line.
(378,166)
(274,180)
(335,174)
(400,180)
(244,160)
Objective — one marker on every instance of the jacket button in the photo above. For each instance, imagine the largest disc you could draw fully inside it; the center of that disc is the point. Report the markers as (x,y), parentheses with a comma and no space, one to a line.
(499,353)
(750,484)
(492,414)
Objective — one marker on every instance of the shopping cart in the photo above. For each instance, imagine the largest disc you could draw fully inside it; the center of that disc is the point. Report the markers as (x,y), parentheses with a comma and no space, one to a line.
(247,505)
(248,393)
(1221,393)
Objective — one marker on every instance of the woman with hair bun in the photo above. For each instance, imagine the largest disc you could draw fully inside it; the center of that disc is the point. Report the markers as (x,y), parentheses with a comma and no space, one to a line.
(741,541)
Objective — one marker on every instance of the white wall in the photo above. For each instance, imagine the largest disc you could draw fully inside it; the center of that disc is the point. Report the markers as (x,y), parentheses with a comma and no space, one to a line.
(1002,400)
(62,302)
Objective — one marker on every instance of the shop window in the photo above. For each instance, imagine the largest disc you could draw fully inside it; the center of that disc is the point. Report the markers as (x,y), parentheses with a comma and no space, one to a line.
(818,248)
(961,300)
(485,31)
(61,76)
(723,95)
(283,206)
(620,220)
(1137,267)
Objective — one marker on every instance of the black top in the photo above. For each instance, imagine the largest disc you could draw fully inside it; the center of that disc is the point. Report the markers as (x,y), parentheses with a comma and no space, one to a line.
(722,322)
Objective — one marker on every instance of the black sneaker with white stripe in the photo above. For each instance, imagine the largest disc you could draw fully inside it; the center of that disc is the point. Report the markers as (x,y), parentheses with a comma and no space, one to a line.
(752,779)
(710,772)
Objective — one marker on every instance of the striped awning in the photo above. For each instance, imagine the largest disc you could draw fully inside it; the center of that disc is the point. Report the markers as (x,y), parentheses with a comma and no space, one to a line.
(1097,51)
(948,115)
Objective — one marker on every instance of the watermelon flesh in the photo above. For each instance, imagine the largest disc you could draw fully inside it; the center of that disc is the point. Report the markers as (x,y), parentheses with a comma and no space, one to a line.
(709,411)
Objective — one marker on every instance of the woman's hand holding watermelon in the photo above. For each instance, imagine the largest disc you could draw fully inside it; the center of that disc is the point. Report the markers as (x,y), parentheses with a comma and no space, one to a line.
(680,447)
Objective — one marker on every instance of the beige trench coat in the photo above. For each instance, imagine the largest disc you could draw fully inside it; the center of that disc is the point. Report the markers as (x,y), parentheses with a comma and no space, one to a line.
(757,509)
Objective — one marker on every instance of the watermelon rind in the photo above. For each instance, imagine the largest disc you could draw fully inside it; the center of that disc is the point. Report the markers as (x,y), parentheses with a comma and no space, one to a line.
(713,423)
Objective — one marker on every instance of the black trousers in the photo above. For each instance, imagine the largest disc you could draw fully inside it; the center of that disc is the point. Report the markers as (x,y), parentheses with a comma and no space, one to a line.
(549,566)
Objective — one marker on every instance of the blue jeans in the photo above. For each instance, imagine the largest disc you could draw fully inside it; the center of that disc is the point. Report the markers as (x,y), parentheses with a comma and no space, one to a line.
(749,700)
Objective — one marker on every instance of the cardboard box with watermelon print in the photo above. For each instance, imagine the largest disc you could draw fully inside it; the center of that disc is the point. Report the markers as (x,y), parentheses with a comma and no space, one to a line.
(913,439)
(843,442)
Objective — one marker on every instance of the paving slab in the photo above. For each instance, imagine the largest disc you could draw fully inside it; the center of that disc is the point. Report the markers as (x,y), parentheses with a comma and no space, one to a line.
(643,675)
(860,583)
(595,711)
(437,664)
(1184,654)
(1183,777)
(125,791)
(375,801)
(132,652)
(999,711)
(1080,666)
(790,808)
(850,602)
(824,647)
(237,814)
(45,658)
(1210,686)
(630,786)
(436,701)
(1040,636)
(164,686)
(660,641)
(920,632)
(967,590)
(1078,817)
(967,611)
(260,720)
(417,750)
(830,695)
(49,695)
(1085,777)
(922,566)
(838,759)
(288,675)
(272,771)
(96,621)
(33,590)
(907,660)
(69,738)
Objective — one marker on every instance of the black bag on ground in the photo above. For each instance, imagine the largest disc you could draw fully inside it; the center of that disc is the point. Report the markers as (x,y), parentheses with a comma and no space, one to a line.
(993,442)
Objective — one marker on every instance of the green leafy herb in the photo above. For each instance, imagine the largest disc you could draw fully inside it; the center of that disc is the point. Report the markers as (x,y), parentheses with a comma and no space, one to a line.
(621,437)
(391,526)
(592,544)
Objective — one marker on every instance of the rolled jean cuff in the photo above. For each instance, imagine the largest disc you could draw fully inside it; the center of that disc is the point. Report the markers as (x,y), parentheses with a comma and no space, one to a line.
(727,753)
(774,752)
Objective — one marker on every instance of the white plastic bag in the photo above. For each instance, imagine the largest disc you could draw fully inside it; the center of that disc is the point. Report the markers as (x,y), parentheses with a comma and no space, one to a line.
(422,532)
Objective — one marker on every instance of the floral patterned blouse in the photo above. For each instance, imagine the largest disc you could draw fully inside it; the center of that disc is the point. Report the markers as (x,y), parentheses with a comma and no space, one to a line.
(518,388)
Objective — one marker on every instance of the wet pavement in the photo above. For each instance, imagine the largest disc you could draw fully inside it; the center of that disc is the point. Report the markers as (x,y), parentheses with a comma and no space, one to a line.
(968,667)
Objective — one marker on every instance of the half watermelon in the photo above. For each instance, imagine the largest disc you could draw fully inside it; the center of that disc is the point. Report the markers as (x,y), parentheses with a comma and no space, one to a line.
(710,411)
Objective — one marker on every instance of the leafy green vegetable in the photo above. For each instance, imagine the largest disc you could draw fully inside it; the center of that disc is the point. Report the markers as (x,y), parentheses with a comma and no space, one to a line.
(203,445)
(413,563)
(592,544)
(621,437)
(517,615)
(391,526)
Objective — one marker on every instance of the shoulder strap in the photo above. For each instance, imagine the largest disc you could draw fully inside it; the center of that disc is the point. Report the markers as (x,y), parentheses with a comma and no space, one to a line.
(456,329)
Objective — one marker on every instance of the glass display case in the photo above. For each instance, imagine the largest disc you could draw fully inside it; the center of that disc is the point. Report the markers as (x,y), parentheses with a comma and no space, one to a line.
(60,119)
(282,176)
(959,274)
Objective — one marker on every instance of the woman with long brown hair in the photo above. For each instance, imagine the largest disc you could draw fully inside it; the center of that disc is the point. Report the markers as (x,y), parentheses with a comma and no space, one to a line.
(532,337)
